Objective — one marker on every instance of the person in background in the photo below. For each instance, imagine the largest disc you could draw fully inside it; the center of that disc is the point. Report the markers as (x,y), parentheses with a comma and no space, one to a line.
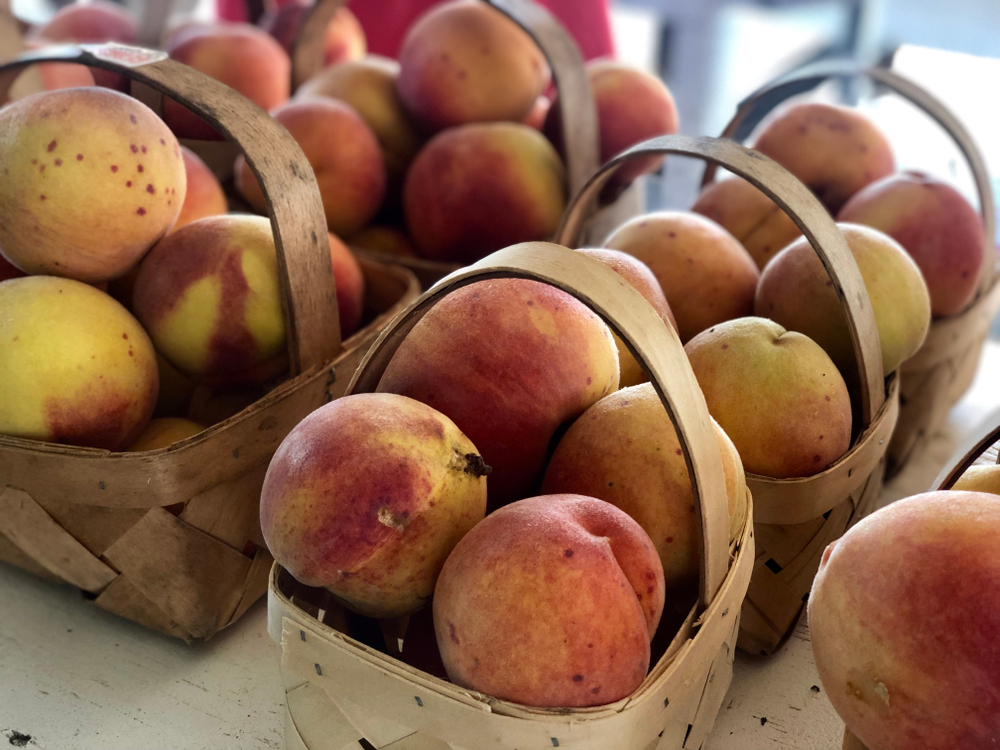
(386,21)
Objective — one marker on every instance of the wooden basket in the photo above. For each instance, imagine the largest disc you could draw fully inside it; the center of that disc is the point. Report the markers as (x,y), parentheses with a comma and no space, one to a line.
(795,519)
(580,127)
(934,379)
(170,538)
(339,691)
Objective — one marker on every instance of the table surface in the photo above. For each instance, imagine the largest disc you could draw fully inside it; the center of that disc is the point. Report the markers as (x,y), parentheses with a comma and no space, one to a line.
(75,677)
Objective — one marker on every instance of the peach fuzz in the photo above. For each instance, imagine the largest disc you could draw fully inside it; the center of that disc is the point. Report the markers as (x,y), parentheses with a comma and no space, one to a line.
(91,179)
(624,450)
(903,618)
(344,38)
(209,296)
(463,62)
(776,394)
(796,292)
(638,275)
(369,86)
(345,157)
(241,56)
(835,151)
(350,284)
(749,215)
(478,188)
(551,601)
(75,366)
(707,276)
(367,496)
(936,226)
(509,361)
(204,196)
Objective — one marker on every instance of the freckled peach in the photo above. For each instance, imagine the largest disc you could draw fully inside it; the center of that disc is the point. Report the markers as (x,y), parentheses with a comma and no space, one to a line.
(550,601)
(367,496)
(204,196)
(208,294)
(89,180)
(75,366)
(509,361)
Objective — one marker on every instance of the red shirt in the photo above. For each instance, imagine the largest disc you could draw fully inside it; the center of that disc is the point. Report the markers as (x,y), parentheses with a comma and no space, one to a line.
(386,21)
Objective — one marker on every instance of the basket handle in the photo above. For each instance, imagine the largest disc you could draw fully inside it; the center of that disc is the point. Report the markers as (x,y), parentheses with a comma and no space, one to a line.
(654,344)
(800,205)
(580,134)
(751,111)
(298,222)
(986,434)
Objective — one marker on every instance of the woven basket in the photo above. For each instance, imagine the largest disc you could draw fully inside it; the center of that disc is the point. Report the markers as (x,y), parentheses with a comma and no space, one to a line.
(580,129)
(794,519)
(934,379)
(170,538)
(339,691)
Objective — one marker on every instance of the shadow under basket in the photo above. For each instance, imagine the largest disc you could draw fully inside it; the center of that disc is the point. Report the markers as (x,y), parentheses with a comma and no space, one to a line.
(186,557)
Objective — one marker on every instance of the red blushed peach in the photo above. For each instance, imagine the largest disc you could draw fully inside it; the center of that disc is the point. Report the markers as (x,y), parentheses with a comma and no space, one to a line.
(204,196)
(509,361)
(367,496)
(550,601)
(92,178)
(638,275)
(632,106)
(936,226)
(903,617)
(477,188)
(241,56)
(75,366)
(209,296)
(463,62)
(344,155)
(749,215)
(835,151)
(350,283)
(344,38)
(706,275)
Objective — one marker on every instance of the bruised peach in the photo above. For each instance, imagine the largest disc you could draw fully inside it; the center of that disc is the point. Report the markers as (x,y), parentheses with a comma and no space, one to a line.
(75,366)
(367,496)
(209,296)
(204,196)
(90,179)
(550,601)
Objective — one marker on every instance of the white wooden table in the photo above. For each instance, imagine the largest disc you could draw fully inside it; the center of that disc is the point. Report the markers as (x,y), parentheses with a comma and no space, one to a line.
(73,677)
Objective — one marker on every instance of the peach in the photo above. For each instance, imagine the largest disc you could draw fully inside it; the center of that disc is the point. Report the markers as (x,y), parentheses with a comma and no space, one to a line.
(510,361)
(91,180)
(369,86)
(239,55)
(936,225)
(367,496)
(344,155)
(164,432)
(385,240)
(638,275)
(796,292)
(903,618)
(464,62)
(209,296)
(551,601)
(981,478)
(835,151)
(749,215)
(538,113)
(477,188)
(777,395)
(350,283)
(75,366)
(176,390)
(344,38)
(706,274)
(204,196)
(632,106)
(624,450)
